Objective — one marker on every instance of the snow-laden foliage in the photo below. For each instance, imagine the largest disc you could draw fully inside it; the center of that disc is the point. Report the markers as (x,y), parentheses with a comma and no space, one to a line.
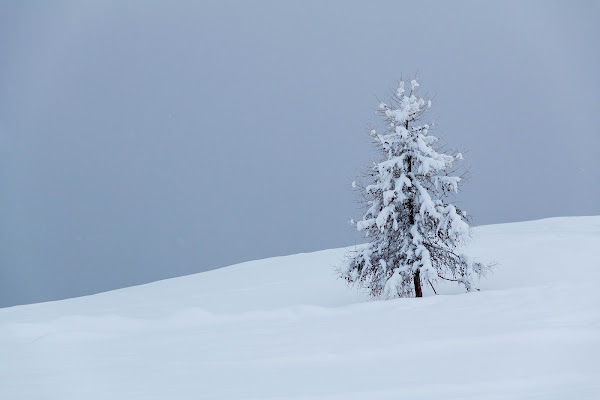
(415,234)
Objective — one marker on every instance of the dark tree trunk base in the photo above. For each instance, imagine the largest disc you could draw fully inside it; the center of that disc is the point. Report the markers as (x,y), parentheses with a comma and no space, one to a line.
(417,280)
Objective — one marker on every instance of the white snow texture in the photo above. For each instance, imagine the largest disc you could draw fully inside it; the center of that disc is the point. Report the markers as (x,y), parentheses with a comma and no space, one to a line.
(287,328)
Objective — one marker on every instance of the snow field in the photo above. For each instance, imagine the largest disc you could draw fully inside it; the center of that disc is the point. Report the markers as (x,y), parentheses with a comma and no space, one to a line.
(286,328)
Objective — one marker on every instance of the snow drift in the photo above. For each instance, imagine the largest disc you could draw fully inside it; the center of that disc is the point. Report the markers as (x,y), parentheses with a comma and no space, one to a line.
(286,328)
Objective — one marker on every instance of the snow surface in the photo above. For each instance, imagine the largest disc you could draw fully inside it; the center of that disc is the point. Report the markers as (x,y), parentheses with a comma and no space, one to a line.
(286,328)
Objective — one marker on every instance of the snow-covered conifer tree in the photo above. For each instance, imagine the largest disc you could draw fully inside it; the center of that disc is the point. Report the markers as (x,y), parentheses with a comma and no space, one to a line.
(415,234)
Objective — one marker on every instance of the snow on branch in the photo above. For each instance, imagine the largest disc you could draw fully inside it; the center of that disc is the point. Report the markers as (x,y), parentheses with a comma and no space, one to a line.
(414,232)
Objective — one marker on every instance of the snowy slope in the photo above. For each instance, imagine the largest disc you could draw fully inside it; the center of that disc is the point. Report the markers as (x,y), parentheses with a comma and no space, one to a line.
(286,328)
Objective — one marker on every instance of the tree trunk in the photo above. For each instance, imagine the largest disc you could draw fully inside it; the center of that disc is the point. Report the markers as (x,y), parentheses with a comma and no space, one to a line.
(417,280)
(417,275)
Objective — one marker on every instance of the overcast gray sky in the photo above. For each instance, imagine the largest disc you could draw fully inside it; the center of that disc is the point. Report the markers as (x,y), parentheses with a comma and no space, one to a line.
(145,140)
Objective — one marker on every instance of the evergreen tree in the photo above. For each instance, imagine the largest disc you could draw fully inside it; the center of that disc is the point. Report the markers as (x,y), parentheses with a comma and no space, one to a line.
(415,234)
